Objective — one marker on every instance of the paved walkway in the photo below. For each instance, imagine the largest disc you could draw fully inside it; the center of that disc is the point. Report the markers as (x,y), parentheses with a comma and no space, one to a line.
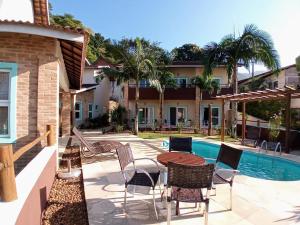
(255,201)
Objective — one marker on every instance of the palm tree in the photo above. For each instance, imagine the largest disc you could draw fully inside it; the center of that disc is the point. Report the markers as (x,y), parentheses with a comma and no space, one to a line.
(136,65)
(205,83)
(162,79)
(252,45)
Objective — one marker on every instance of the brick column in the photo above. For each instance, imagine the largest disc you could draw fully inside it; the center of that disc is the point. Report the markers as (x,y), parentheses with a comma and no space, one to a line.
(197,108)
(66,114)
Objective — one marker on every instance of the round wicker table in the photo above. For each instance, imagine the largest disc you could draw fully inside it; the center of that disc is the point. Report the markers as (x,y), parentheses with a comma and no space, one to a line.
(180,158)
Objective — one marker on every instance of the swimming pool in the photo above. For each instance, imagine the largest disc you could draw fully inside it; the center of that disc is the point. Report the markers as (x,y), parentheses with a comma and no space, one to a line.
(254,164)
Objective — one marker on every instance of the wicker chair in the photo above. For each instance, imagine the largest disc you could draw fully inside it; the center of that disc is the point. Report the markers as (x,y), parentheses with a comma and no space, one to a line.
(230,157)
(89,150)
(180,144)
(185,184)
(140,177)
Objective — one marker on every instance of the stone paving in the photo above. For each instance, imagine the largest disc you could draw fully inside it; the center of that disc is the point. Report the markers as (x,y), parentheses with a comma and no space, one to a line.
(255,201)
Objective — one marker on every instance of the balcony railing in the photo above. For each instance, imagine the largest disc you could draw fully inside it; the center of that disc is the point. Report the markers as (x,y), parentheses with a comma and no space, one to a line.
(149,93)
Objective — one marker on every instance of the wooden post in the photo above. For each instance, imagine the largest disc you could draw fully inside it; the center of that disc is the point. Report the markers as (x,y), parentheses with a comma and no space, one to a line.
(8,189)
(288,124)
(223,121)
(209,119)
(244,122)
(259,129)
(51,136)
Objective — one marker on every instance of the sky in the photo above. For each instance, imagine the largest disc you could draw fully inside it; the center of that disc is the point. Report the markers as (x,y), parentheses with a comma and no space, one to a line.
(173,23)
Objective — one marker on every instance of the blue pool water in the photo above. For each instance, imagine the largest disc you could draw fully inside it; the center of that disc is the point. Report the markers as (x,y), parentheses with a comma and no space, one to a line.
(255,164)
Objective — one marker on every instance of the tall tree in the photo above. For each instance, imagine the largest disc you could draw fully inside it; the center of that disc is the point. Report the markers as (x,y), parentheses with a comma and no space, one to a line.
(252,45)
(187,52)
(205,83)
(161,80)
(136,65)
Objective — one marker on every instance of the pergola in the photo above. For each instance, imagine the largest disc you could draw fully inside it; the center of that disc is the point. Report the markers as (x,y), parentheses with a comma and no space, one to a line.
(286,93)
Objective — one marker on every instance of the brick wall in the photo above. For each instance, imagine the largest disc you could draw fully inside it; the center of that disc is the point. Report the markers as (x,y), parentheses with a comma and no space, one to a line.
(37,86)
(65,122)
(85,98)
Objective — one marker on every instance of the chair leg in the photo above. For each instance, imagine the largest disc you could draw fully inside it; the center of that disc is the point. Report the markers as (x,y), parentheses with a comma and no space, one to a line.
(230,206)
(168,207)
(159,184)
(155,210)
(177,208)
(206,213)
(125,197)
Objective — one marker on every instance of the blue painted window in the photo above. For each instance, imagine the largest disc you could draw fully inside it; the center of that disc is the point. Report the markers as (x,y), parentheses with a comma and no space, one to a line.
(8,99)
(78,111)
(90,111)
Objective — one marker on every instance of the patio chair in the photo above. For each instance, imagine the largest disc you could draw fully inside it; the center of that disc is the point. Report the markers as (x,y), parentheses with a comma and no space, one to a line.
(89,150)
(230,157)
(185,184)
(140,177)
(180,144)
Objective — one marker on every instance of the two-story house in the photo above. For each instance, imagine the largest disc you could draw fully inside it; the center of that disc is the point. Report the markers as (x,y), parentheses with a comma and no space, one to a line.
(99,94)
(180,104)
(288,76)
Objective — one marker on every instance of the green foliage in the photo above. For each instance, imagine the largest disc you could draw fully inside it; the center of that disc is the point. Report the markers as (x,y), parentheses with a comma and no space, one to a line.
(97,44)
(118,115)
(187,52)
(119,128)
(274,125)
(252,45)
(206,83)
(98,122)
(264,109)
(161,79)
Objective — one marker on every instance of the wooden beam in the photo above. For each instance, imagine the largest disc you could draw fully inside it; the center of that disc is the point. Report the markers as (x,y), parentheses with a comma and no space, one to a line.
(223,121)
(209,120)
(288,124)
(244,122)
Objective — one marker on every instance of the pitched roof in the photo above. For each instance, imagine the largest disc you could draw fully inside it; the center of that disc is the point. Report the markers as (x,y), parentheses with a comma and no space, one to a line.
(100,63)
(73,44)
(265,74)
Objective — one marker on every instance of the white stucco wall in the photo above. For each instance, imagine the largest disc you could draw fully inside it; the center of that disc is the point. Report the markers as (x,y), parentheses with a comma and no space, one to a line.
(103,91)
(16,10)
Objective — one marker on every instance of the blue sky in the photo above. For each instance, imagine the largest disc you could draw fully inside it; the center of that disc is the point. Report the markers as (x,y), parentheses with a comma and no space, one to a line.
(175,22)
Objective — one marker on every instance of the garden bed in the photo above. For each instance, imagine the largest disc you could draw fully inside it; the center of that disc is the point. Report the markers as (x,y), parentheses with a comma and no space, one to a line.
(66,204)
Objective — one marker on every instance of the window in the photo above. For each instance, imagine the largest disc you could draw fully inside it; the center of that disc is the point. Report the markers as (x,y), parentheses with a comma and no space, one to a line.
(91,111)
(218,80)
(8,84)
(146,115)
(96,108)
(144,83)
(181,82)
(78,111)
(177,114)
(215,116)
(4,102)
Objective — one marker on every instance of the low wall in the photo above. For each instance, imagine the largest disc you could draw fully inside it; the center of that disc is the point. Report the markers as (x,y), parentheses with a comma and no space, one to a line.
(33,186)
(264,135)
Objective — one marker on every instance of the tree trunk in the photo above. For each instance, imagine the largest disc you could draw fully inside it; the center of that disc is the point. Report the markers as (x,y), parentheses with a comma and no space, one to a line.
(234,105)
(136,119)
(200,110)
(161,110)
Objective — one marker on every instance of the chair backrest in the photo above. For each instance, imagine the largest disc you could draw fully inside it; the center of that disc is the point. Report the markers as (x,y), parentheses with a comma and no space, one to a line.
(190,176)
(81,139)
(125,156)
(180,144)
(229,156)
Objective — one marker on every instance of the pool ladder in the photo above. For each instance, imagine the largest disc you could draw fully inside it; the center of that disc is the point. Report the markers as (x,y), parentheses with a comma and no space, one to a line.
(264,146)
